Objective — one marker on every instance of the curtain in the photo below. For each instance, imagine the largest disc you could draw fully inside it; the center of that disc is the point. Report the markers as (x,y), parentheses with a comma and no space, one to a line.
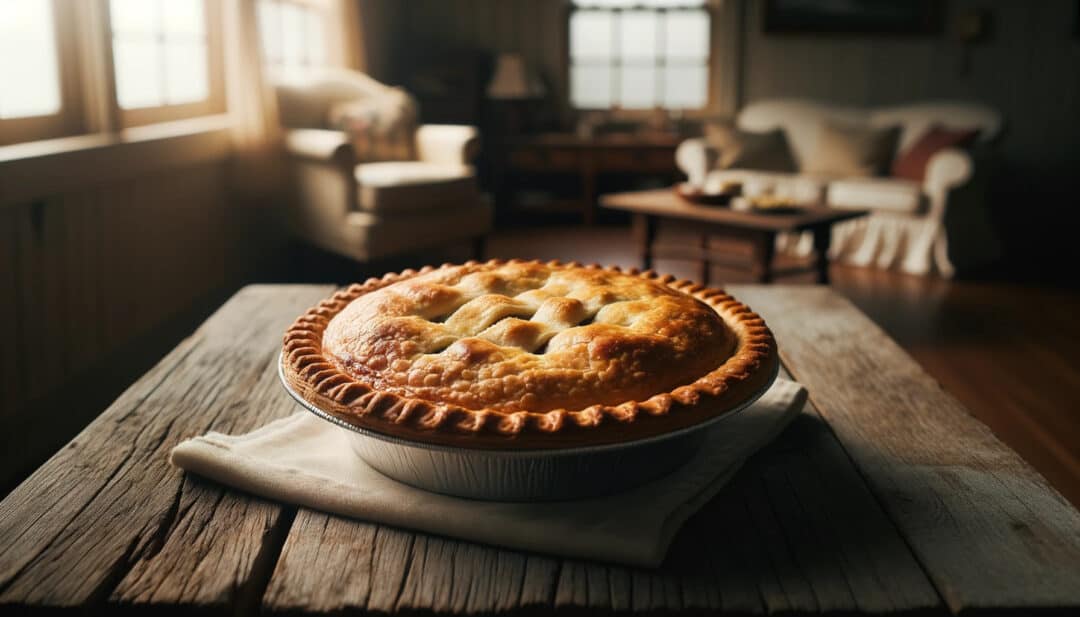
(256,131)
(348,16)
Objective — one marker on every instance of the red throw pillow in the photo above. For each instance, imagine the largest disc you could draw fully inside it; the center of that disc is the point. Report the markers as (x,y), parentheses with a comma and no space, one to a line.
(911,164)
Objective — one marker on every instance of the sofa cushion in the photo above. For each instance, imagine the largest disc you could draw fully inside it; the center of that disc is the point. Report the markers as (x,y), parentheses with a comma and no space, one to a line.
(911,163)
(409,186)
(802,187)
(766,151)
(879,194)
(845,149)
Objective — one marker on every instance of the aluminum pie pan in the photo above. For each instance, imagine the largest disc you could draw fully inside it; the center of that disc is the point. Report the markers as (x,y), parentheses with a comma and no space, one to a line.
(526,475)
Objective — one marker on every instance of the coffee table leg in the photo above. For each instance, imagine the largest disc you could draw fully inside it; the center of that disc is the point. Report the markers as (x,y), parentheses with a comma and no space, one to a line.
(822,239)
(645,229)
(764,250)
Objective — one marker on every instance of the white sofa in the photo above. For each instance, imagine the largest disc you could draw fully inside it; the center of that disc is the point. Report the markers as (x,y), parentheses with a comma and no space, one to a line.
(937,226)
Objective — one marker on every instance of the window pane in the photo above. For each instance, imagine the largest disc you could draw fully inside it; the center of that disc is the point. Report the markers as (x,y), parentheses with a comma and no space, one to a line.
(590,86)
(637,88)
(134,16)
(686,86)
(686,35)
(184,18)
(591,34)
(637,34)
(316,46)
(185,72)
(293,30)
(138,73)
(270,30)
(29,81)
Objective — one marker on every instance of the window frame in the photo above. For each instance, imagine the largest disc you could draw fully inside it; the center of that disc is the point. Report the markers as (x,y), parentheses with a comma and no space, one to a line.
(660,64)
(214,103)
(69,119)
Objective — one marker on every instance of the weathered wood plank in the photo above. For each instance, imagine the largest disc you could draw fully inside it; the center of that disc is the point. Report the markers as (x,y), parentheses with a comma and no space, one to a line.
(985,526)
(797,530)
(110,501)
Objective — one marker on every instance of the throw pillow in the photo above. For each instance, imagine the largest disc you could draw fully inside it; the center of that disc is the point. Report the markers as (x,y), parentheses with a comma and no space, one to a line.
(381,128)
(848,150)
(911,164)
(768,151)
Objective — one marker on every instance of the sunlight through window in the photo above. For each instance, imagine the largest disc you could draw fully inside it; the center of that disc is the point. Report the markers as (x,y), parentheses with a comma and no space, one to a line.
(29,77)
(159,52)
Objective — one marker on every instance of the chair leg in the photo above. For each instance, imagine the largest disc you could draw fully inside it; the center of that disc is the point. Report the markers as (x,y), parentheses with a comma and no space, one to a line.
(479,243)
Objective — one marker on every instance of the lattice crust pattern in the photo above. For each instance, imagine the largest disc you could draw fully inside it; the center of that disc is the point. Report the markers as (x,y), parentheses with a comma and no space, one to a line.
(546,354)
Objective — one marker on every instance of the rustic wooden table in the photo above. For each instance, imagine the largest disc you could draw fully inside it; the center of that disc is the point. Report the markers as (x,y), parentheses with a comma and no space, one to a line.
(883,496)
(759,229)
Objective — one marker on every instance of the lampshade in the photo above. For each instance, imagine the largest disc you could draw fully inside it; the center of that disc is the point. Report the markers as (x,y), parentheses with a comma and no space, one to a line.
(513,80)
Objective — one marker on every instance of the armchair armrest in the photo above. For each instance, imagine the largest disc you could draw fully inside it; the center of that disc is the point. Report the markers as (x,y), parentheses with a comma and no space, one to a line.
(320,145)
(695,157)
(449,144)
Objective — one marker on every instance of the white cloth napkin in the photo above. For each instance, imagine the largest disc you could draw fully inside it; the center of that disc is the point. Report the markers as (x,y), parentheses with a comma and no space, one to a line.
(305,460)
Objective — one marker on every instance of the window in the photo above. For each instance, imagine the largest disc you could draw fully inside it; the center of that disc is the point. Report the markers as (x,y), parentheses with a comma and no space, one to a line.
(35,98)
(161,60)
(639,54)
(292,38)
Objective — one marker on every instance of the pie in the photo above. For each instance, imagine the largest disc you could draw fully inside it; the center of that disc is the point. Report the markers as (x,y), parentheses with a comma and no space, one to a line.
(527,355)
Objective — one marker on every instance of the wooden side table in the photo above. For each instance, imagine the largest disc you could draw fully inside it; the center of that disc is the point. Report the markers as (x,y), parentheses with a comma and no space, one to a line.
(649,208)
(588,158)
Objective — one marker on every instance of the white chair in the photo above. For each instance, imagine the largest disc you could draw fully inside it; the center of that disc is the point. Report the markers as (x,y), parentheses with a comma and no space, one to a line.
(365,209)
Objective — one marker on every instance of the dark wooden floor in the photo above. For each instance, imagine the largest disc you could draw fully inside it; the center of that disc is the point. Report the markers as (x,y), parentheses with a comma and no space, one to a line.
(1010,352)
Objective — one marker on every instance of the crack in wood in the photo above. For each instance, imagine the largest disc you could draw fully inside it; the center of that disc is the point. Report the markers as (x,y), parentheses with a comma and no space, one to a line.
(249,594)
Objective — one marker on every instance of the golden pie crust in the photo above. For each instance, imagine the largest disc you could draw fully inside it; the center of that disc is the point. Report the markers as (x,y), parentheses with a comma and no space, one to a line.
(527,355)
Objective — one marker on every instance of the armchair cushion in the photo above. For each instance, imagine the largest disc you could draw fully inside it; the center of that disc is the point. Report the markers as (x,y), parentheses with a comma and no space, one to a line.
(381,127)
(411,186)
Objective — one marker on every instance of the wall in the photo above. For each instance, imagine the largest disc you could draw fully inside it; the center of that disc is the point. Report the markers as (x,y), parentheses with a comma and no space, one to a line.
(536,29)
(99,248)
(1028,68)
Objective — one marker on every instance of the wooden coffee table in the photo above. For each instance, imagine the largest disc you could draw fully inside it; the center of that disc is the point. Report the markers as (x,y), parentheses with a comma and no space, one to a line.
(759,229)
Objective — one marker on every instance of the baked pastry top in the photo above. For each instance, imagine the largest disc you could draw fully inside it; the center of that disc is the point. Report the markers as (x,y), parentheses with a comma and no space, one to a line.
(527,354)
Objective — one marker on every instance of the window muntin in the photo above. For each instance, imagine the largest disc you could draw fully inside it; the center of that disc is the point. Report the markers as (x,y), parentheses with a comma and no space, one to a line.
(639,54)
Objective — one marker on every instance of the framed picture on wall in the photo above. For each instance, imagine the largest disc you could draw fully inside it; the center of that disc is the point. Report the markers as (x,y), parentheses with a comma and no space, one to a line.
(892,17)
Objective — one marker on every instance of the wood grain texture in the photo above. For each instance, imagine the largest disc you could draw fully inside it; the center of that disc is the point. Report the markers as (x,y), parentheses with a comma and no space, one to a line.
(804,528)
(93,523)
(797,530)
(984,525)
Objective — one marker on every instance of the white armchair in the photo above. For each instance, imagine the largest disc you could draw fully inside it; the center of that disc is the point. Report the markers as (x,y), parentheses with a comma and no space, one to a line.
(366,209)
(938,226)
